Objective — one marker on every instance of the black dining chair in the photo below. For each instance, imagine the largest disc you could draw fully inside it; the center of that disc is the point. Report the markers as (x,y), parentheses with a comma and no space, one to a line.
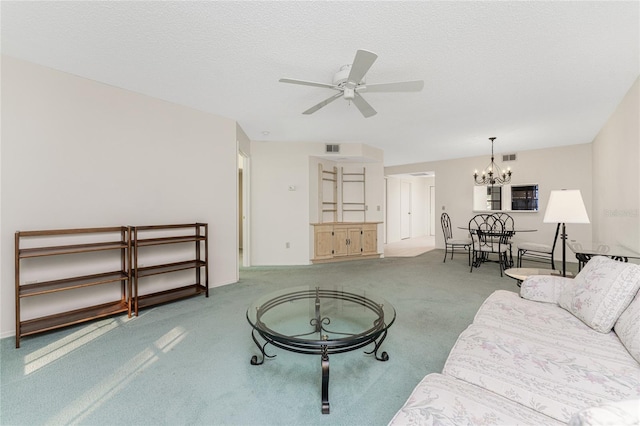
(509,226)
(537,252)
(488,238)
(453,245)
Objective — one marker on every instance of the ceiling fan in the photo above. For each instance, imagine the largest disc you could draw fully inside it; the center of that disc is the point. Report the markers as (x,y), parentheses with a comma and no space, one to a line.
(350,82)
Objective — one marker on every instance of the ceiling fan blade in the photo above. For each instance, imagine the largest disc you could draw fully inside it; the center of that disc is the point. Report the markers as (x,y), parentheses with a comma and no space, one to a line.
(308,83)
(364,107)
(361,64)
(402,86)
(323,103)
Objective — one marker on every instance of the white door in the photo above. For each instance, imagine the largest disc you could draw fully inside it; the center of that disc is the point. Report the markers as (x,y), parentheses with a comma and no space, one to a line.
(405,210)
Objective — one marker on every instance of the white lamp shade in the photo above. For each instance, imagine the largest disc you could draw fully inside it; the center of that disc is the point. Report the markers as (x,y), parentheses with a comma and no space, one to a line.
(565,206)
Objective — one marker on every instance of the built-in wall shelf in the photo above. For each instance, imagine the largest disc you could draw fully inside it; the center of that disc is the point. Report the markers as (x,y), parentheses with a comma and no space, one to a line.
(353,195)
(328,194)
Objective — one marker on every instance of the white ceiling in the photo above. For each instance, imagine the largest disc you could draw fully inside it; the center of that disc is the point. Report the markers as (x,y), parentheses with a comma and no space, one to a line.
(533,74)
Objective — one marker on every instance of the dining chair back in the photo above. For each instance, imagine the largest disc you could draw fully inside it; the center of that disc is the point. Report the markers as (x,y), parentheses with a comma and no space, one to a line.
(451,245)
(488,237)
(509,226)
(506,219)
(537,252)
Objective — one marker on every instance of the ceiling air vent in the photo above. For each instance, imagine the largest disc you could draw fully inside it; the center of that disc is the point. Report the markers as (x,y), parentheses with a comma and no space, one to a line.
(332,148)
(508,157)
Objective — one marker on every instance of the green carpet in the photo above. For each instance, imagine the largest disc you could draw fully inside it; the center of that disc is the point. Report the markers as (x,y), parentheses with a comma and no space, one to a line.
(188,362)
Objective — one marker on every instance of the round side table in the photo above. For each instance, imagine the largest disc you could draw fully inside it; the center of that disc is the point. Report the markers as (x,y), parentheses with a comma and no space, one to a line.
(521,274)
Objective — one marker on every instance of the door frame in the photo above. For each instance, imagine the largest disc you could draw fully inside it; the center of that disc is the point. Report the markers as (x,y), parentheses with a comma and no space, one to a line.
(244,207)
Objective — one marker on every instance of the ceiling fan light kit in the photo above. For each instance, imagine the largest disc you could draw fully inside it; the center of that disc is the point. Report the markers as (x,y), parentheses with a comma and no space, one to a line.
(341,77)
(350,81)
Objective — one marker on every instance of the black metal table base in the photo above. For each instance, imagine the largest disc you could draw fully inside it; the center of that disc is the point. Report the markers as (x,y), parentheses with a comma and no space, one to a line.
(323,346)
(324,363)
(324,360)
(583,258)
(483,257)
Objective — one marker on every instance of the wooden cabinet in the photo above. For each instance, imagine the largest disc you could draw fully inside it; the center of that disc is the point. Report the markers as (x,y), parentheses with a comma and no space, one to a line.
(369,239)
(323,241)
(75,259)
(169,249)
(345,241)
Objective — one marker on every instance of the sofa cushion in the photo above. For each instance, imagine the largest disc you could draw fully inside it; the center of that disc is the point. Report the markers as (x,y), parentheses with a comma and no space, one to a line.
(548,324)
(628,327)
(541,356)
(443,400)
(601,291)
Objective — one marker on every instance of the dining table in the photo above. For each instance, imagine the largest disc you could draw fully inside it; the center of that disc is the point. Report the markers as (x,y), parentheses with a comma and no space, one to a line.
(507,231)
(507,234)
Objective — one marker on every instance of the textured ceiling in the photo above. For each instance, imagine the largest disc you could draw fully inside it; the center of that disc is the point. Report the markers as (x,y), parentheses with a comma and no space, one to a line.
(533,74)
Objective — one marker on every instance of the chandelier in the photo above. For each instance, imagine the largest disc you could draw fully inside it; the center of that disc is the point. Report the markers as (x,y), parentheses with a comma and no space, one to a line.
(492,175)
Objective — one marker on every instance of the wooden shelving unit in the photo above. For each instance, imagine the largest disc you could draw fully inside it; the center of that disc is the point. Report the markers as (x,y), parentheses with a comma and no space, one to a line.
(349,203)
(146,236)
(328,190)
(66,243)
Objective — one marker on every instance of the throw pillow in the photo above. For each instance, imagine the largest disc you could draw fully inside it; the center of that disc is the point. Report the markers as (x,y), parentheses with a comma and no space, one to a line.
(601,291)
(544,288)
(628,328)
(612,413)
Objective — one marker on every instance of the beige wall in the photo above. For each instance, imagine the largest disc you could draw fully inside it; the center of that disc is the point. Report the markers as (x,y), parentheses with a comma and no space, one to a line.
(606,171)
(280,216)
(616,175)
(77,153)
(566,167)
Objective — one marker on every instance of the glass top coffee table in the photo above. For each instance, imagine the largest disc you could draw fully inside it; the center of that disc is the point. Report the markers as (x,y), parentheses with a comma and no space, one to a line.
(320,321)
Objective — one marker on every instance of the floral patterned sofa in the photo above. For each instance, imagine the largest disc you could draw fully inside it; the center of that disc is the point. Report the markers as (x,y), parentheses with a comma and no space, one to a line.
(564,351)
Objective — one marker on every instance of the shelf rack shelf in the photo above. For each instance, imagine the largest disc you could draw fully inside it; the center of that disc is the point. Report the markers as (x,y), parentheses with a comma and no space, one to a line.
(195,233)
(359,205)
(30,245)
(328,193)
(52,322)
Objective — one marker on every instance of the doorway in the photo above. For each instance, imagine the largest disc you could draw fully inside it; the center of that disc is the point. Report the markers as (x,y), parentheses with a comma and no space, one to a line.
(244,258)
(410,203)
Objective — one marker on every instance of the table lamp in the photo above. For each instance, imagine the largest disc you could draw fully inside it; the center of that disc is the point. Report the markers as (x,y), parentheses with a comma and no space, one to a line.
(565,206)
